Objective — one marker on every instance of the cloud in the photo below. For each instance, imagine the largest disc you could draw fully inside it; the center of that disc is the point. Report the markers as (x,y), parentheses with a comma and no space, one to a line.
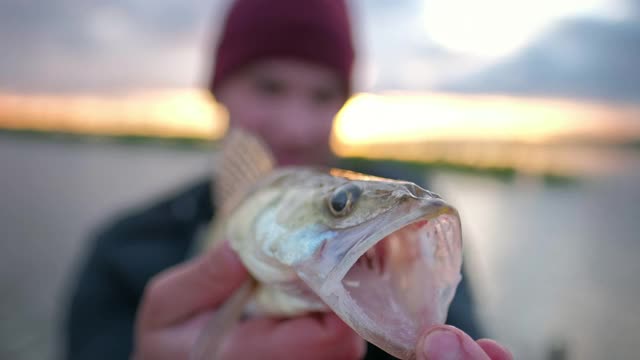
(91,46)
(634,8)
(76,45)
(96,46)
(395,52)
(580,58)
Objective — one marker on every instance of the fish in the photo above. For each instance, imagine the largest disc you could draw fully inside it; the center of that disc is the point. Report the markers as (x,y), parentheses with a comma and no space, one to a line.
(384,255)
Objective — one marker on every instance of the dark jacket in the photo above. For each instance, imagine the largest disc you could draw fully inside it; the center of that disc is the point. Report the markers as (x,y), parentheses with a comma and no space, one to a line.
(140,244)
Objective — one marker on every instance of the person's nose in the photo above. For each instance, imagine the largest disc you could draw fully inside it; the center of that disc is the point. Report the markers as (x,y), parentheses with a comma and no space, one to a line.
(295,125)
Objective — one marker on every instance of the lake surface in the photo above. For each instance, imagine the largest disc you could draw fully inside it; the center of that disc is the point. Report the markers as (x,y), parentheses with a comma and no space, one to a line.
(551,266)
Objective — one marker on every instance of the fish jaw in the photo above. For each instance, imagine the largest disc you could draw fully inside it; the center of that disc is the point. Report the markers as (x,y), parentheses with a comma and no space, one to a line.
(392,281)
(286,299)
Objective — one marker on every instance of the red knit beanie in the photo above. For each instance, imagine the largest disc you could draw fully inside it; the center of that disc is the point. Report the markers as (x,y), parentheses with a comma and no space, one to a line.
(317,31)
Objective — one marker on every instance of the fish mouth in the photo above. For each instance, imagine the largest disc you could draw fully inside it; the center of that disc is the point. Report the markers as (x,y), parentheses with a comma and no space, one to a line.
(399,279)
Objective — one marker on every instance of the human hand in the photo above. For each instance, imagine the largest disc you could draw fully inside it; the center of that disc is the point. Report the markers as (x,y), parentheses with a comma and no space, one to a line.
(179,302)
(447,342)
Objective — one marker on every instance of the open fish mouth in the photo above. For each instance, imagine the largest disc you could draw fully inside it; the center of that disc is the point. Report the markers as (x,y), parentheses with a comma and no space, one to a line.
(394,283)
(404,283)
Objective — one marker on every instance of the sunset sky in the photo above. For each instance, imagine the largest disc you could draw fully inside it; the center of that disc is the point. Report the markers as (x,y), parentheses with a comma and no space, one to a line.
(442,69)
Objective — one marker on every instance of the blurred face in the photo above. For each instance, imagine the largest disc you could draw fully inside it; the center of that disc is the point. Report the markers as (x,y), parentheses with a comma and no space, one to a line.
(289,103)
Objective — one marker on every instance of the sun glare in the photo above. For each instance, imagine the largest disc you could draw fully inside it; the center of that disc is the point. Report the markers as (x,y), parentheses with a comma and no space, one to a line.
(383,121)
(482,131)
(370,118)
(170,113)
(494,28)
(477,130)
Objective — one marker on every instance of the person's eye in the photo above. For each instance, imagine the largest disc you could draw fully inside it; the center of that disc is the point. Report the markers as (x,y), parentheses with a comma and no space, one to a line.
(269,87)
(324,96)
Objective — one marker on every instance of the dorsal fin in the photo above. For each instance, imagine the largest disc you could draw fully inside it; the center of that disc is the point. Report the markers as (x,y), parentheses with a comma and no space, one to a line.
(244,159)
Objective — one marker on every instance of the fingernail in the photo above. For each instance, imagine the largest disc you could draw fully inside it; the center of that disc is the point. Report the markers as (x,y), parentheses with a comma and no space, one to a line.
(442,344)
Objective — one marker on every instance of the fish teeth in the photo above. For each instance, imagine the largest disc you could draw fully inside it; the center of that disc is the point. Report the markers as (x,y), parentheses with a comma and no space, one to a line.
(374,260)
(370,257)
(352,283)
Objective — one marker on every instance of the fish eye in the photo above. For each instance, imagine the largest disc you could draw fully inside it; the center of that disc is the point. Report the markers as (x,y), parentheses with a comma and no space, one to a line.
(343,198)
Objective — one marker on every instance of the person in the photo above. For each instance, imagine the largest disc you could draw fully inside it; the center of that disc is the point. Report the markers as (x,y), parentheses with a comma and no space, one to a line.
(283,70)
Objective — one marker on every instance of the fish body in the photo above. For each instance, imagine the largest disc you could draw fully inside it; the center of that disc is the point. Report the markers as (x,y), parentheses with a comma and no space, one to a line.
(384,255)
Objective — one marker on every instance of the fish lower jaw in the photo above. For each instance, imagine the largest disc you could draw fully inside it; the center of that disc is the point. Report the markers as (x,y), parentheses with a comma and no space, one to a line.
(399,284)
(290,300)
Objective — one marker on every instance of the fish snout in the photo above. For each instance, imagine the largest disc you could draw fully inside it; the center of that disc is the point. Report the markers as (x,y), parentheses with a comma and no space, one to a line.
(418,192)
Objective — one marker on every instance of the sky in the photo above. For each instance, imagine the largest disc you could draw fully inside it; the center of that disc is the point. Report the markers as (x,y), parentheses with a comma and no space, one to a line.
(578,49)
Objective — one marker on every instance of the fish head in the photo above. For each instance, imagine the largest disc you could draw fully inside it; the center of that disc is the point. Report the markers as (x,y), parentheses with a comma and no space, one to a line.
(386,257)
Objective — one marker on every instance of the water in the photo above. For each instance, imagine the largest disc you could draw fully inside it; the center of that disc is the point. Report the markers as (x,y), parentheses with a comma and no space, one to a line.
(550,265)
(52,195)
(555,266)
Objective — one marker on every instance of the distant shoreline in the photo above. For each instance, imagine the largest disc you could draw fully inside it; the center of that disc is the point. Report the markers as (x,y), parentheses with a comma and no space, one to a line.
(181,142)
(501,173)
(199,142)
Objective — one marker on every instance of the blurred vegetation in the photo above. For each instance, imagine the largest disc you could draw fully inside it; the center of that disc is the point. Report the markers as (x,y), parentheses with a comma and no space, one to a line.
(504,174)
(178,142)
(634,144)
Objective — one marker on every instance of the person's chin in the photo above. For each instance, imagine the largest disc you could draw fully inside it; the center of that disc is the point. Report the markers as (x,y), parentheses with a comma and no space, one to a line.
(292,161)
(298,159)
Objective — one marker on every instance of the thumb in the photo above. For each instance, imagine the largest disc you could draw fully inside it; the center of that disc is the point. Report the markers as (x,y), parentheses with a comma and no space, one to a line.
(447,342)
(185,290)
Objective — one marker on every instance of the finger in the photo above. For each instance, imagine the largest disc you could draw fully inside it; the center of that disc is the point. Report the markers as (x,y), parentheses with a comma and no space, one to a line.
(222,323)
(448,342)
(190,288)
(495,350)
(309,337)
(172,343)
